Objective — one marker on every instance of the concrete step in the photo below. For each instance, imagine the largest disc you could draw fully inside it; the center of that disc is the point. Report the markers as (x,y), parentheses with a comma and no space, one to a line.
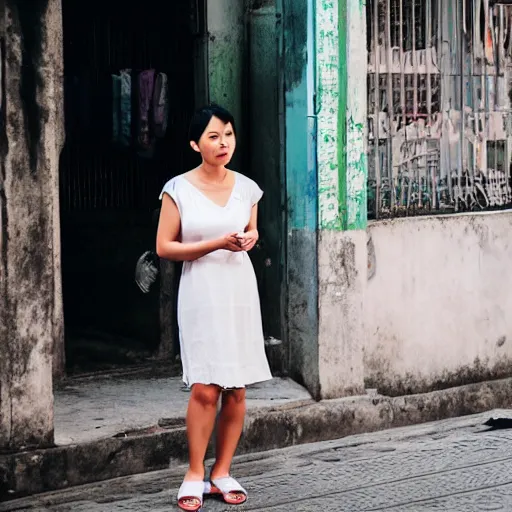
(275,419)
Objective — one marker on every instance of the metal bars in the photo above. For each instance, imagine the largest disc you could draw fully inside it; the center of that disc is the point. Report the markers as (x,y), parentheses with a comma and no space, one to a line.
(439,106)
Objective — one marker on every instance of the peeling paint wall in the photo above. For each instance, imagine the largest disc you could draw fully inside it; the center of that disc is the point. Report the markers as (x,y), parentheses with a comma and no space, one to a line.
(301,192)
(30,142)
(342,171)
(329,90)
(341,113)
(439,103)
(439,111)
(412,305)
(438,303)
(356,119)
(341,288)
(226,63)
(301,165)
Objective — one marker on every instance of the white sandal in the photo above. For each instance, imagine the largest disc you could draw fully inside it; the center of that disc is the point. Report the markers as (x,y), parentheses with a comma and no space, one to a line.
(229,486)
(191,491)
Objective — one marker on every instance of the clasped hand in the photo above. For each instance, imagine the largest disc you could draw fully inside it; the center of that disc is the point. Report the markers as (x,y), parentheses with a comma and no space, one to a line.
(237,242)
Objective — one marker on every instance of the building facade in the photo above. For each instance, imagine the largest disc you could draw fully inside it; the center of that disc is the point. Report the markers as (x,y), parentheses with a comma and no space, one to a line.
(412,112)
(379,130)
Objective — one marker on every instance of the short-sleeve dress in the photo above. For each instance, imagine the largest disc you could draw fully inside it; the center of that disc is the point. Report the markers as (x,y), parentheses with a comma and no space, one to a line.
(219,317)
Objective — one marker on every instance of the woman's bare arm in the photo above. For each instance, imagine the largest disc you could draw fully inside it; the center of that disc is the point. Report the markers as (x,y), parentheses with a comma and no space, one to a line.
(168,245)
(253,221)
(250,237)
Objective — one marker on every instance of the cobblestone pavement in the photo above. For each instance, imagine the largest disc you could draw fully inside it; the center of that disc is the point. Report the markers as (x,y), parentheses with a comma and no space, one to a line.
(450,466)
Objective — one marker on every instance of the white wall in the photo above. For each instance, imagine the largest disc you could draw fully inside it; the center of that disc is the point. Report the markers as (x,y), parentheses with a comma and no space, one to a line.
(341,287)
(438,309)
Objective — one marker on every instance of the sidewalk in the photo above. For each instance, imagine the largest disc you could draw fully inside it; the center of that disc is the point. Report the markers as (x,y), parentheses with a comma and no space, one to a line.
(456,465)
(114,426)
(88,410)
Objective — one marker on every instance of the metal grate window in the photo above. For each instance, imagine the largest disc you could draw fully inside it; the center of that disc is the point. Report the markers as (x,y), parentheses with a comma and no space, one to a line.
(439,106)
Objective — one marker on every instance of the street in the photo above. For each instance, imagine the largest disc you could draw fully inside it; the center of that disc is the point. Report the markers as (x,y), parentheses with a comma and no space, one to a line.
(452,465)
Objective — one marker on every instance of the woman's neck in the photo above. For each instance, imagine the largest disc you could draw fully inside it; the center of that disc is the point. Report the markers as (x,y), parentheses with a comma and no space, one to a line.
(212,173)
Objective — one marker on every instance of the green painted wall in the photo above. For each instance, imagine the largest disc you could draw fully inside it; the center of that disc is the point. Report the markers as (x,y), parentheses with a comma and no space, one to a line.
(328,88)
(341,113)
(355,122)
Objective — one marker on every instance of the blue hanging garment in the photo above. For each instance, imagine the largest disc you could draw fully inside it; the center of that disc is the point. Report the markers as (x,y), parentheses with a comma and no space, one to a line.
(126,107)
(116,109)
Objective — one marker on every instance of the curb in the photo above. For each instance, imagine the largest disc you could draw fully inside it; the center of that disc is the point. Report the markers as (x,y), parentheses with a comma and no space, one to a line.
(37,471)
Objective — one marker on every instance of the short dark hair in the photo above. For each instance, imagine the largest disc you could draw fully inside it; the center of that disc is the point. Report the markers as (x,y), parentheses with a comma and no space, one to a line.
(203,116)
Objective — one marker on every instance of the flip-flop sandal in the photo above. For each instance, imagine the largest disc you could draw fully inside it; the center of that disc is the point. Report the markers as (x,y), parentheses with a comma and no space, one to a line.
(190,495)
(232,492)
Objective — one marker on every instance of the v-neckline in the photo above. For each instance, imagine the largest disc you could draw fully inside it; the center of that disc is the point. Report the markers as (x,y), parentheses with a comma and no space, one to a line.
(201,193)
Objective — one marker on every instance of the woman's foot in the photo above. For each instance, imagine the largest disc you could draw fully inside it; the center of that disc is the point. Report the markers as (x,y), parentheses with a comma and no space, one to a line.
(218,472)
(232,492)
(190,501)
(190,495)
(234,495)
(194,476)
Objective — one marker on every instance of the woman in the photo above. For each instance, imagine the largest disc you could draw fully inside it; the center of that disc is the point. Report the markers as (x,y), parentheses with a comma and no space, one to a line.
(208,220)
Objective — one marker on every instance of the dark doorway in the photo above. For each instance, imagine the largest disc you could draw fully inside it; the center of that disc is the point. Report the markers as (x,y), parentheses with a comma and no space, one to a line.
(265,164)
(109,181)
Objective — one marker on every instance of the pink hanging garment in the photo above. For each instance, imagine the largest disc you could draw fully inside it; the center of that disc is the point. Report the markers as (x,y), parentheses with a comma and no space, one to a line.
(160,106)
(146,87)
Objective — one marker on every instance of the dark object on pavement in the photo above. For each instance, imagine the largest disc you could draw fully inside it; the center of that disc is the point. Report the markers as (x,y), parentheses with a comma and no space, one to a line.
(499,423)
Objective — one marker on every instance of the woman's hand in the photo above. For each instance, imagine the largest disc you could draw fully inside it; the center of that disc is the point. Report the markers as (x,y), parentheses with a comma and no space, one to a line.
(230,243)
(248,239)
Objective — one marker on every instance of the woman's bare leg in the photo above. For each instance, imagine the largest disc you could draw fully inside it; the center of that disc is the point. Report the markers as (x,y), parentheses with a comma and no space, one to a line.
(229,430)
(202,409)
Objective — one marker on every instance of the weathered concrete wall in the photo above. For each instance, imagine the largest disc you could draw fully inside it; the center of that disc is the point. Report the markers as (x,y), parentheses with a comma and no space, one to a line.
(437,308)
(31,138)
(226,62)
(422,303)
(301,190)
(54,142)
(342,280)
(342,171)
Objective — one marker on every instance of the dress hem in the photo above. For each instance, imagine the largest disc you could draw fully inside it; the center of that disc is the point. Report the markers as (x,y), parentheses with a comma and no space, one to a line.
(238,385)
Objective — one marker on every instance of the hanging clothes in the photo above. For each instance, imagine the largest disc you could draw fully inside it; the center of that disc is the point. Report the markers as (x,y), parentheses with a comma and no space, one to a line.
(145,137)
(160,106)
(126,107)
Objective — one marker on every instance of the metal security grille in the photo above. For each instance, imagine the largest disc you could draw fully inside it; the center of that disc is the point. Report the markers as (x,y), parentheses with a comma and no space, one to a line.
(439,106)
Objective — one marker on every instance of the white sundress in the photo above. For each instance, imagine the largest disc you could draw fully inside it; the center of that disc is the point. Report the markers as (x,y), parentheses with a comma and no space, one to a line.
(219,317)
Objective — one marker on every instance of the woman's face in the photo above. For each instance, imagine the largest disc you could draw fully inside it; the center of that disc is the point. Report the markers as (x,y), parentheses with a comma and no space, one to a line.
(217,144)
